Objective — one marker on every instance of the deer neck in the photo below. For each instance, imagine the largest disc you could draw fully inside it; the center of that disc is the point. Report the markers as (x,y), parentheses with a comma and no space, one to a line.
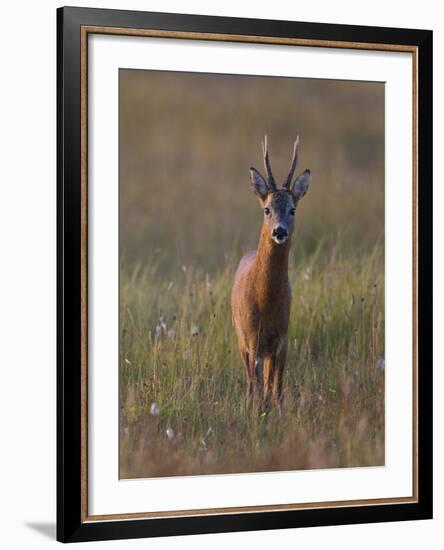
(271,269)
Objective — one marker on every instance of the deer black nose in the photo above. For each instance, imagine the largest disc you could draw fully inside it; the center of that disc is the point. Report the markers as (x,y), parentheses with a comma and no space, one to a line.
(280,232)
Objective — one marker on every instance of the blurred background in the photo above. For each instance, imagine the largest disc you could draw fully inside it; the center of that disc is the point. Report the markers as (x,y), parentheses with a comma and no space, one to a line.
(187,141)
(188,214)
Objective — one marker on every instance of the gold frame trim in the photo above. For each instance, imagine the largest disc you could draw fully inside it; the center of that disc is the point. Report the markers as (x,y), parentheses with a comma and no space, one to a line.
(84,33)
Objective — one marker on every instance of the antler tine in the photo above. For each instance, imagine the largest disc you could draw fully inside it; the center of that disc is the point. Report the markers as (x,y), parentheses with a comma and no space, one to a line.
(271,183)
(294,162)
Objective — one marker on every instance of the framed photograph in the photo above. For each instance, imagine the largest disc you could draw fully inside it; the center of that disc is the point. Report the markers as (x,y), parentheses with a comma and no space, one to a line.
(244,274)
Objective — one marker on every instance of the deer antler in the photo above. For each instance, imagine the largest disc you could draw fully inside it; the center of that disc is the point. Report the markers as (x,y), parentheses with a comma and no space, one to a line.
(271,183)
(294,161)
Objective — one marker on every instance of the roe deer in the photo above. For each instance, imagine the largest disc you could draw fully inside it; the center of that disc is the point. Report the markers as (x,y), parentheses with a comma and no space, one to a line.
(261,295)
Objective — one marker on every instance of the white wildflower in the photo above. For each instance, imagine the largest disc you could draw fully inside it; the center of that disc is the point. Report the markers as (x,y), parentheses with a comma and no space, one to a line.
(127,361)
(195,330)
(307,274)
(161,328)
(155,409)
(170,433)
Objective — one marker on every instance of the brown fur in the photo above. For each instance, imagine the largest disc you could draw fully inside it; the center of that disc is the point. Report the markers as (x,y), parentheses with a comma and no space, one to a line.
(261,294)
(260,302)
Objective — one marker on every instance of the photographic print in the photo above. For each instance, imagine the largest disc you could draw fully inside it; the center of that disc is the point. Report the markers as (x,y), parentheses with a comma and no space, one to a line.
(251,269)
(244,281)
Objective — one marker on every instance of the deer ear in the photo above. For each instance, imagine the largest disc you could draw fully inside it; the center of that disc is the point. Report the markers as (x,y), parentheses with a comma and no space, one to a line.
(258,183)
(301,184)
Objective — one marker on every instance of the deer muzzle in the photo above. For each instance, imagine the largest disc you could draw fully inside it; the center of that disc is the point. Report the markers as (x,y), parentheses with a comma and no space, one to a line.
(279,234)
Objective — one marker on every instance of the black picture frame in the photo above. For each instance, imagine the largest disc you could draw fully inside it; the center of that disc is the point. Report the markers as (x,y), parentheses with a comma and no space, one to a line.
(71,524)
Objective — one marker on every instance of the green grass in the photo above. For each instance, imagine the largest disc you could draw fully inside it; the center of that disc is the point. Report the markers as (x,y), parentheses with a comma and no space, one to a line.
(178,350)
(187,215)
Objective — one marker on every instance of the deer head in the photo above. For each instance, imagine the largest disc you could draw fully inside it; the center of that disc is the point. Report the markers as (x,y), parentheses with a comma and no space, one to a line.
(279,205)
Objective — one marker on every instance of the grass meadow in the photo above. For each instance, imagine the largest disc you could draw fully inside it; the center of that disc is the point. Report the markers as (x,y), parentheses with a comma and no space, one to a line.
(187,215)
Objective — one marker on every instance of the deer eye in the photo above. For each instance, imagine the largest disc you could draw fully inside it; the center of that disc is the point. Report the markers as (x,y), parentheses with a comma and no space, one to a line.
(267,211)
(292,211)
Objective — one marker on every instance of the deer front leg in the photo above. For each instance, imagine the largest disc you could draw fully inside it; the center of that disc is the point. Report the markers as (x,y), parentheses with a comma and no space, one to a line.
(250,392)
(258,384)
(268,380)
(248,378)
(281,358)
